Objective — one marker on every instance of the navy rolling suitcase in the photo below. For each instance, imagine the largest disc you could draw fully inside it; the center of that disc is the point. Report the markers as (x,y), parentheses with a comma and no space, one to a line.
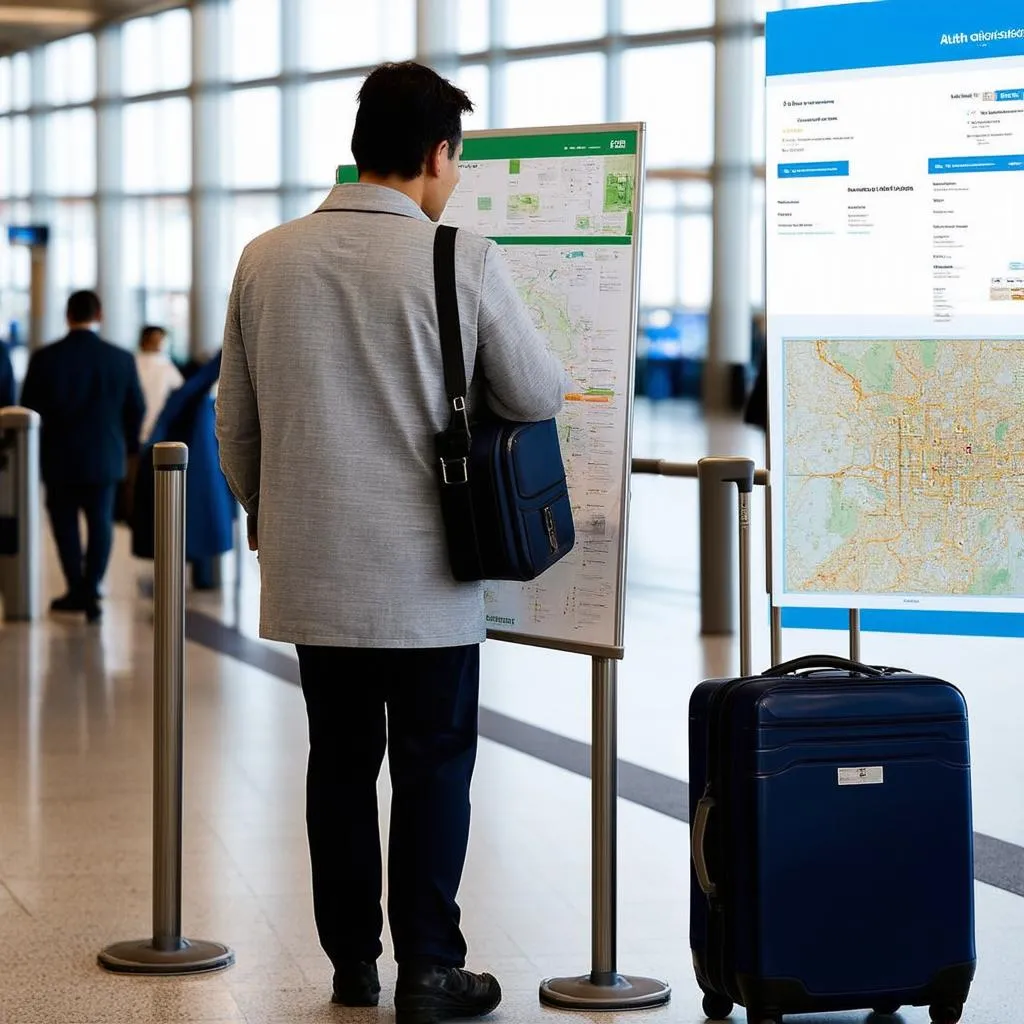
(832,847)
(832,851)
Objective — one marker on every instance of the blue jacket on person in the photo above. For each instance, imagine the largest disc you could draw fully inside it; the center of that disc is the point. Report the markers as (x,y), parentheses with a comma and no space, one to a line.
(7,388)
(210,508)
(88,394)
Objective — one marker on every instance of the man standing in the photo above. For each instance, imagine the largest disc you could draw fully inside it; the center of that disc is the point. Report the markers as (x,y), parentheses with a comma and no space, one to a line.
(88,395)
(331,392)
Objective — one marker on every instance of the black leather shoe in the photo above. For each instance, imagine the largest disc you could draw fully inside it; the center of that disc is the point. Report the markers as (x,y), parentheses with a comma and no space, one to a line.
(428,995)
(68,603)
(93,611)
(356,985)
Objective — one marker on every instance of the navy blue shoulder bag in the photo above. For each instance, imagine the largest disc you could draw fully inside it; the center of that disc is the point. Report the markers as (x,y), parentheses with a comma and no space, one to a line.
(504,496)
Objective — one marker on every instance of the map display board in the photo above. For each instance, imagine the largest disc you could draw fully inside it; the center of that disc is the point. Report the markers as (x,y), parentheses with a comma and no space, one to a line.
(563,204)
(895,299)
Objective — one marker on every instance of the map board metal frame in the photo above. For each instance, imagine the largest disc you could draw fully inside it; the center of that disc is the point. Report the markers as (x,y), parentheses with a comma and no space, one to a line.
(614,645)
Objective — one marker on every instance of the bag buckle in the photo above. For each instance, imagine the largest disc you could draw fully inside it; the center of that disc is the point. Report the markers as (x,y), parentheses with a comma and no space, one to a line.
(459,465)
(459,412)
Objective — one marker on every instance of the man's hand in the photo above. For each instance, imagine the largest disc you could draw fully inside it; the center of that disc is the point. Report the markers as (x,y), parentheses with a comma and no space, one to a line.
(251,529)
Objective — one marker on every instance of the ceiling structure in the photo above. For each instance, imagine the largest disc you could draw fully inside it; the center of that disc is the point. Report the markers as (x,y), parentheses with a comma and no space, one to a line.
(28,23)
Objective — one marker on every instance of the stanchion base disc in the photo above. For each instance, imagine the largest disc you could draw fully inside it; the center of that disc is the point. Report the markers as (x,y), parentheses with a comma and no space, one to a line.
(622,993)
(142,957)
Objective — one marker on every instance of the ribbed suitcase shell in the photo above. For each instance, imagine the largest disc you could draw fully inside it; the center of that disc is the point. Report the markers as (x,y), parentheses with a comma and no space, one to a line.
(834,896)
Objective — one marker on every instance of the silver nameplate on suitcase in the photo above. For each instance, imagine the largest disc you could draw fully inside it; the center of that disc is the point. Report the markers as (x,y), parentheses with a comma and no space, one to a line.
(862,776)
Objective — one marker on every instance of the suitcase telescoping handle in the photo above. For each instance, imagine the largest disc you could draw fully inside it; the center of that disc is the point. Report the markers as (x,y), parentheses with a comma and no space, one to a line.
(813,661)
(700,831)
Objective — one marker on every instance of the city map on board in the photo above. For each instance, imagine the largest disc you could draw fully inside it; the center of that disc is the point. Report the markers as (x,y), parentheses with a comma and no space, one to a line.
(562,208)
(904,467)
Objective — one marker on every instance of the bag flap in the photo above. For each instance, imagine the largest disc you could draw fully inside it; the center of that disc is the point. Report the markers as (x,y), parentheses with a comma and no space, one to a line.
(536,458)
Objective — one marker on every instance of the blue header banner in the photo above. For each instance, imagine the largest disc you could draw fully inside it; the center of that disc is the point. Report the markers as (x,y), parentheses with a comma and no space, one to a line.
(892,33)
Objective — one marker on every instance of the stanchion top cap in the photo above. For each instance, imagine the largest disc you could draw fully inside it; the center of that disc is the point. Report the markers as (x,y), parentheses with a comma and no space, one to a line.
(170,455)
(14,417)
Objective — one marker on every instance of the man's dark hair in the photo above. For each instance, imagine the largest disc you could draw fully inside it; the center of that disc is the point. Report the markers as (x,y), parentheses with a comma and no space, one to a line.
(405,110)
(84,308)
(149,330)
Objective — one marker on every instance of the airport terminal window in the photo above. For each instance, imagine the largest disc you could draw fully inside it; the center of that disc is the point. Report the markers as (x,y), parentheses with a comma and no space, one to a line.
(21,156)
(640,16)
(71,152)
(14,271)
(21,81)
(560,87)
(679,133)
(757,289)
(253,138)
(328,114)
(157,141)
(73,246)
(658,282)
(474,25)
(255,39)
(157,260)
(158,243)
(71,70)
(249,216)
(694,260)
(5,84)
(556,90)
(333,38)
(476,80)
(757,121)
(534,22)
(6,182)
(157,53)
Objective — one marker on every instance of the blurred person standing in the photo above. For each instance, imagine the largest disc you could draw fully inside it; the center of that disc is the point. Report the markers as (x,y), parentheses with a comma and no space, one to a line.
(88,394)
(332,389)
(7,388)
(157,374)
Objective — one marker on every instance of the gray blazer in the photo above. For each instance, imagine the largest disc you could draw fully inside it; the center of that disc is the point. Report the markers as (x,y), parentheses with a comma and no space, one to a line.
(331,391)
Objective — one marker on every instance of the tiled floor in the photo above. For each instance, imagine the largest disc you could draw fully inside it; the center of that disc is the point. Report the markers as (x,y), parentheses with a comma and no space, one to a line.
(75,736)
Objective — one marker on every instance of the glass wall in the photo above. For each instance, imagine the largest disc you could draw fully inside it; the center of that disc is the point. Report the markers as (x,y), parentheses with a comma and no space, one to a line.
(146,166)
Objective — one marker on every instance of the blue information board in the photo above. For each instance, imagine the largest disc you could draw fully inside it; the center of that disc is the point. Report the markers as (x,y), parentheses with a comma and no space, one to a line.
(895,314)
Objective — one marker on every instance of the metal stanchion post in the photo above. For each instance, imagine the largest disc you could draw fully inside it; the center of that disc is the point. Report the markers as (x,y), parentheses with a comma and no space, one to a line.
(744,531)
(604,988)
(776,649)
(717,554)
(167,952)
(20,556)
(854,634)
(717,541)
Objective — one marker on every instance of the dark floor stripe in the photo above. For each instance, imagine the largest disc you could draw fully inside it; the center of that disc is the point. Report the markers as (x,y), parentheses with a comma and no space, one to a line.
(996,862)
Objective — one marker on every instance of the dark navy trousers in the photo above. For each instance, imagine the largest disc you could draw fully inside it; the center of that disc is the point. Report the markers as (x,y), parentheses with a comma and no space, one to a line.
(422,707)
(64,502)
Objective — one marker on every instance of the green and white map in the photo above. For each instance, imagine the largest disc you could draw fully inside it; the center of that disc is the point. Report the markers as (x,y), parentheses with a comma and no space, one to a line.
(904,468)
(562,206)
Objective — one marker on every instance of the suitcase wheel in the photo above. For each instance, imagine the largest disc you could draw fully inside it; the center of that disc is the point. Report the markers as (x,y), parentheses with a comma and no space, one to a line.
(946,1013)
(716,1007)
(886,1010)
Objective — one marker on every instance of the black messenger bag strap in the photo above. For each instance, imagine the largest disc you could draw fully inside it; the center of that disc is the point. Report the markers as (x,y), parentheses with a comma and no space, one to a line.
(447,300)
(453,445)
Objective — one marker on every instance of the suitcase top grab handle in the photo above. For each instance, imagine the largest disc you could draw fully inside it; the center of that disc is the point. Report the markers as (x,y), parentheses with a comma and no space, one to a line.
(813,661)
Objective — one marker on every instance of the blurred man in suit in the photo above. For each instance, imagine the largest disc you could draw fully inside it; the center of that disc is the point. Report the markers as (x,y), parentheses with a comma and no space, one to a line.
(90,400)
